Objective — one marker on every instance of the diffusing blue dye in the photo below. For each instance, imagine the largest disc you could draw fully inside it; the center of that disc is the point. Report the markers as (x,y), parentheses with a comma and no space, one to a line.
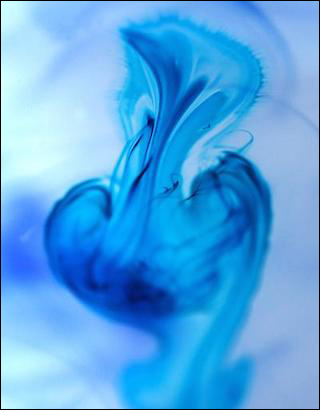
(174,240)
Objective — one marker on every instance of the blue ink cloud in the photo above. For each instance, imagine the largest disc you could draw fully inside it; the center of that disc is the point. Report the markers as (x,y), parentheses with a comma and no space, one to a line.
(159,242)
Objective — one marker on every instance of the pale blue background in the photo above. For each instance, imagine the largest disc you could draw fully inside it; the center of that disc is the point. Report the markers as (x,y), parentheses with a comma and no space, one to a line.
(62,67)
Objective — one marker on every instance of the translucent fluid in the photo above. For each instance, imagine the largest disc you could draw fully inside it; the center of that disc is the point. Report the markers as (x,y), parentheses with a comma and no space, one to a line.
(174,240)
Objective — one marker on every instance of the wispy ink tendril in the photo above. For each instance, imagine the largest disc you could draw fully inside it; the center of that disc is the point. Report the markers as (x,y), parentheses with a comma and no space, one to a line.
(153,246)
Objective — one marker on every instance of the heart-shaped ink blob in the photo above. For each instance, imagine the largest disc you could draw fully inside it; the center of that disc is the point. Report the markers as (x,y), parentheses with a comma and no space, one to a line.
(152,241)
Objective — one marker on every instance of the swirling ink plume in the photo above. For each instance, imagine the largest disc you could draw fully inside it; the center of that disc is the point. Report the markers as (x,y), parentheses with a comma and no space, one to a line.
(170,237)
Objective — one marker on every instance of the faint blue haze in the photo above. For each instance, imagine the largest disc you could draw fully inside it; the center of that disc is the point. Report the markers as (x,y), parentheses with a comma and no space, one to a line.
(62,69)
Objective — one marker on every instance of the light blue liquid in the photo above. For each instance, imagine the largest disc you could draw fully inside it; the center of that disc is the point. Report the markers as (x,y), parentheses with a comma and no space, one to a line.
(180,260)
